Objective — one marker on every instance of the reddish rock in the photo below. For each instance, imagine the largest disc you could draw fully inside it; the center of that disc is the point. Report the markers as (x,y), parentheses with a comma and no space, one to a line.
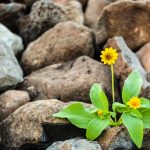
(94,11)
(69,81)
(66,41)
(12,100)
(127,62)
(46,14)
(144,56)
(127,18)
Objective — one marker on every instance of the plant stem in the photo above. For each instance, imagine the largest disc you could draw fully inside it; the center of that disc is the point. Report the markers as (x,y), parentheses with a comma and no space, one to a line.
(113,88)
(112,81)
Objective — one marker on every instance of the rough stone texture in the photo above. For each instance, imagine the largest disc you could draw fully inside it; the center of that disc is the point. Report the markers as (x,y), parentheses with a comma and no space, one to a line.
(12,40)
(94,11)
(66,41)
(10,12)
(33,127)
(25,124)
(68,81)
(46,14)
(115,138)
(127,18)
(75,144)
(144,56)
(12,100)
(10,73)
(128,61)
(146,143)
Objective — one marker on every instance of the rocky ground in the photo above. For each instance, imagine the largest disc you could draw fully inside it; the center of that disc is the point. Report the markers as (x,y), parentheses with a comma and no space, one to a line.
(49,56)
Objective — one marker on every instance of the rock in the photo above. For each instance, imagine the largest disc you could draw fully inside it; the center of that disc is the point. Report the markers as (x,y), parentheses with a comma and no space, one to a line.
(116,138)
(24,126)
(12,100)
(94,11)
(144,56)
(146,144)
(115,21)
(75,144)
(68,81)
(66,41)
(128,61)
(12,40)
(10,73)
(10,12)
(46,14)
(28,3)
(148,76)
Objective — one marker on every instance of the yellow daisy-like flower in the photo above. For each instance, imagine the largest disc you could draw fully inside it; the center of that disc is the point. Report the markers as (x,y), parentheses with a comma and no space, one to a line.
(100,113)
(109,56)
(134,102)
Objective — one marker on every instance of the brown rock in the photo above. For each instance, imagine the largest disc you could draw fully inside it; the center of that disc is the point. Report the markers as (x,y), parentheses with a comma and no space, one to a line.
(94,11)
(46,14)
(12,100)
(25,126)
(68,81)
(127,62)
(66,41)
(146,144)
(115,138)
(144,56)
(127,18)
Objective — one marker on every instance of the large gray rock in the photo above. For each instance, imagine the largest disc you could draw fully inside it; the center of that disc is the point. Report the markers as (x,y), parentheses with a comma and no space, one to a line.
(12,100)
(12,40)
(10,73)
(68,81)
(66,41)
(128,61)
(126,18)
(75,144)
(27,125)
(45,14)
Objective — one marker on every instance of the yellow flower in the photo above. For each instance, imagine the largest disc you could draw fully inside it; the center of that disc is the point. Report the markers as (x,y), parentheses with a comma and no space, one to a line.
(109,56)
(134,102)
(100,113)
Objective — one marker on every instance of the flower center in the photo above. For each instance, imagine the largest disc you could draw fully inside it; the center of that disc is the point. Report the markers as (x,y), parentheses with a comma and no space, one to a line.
(108,57)
(100,113)
(134,102)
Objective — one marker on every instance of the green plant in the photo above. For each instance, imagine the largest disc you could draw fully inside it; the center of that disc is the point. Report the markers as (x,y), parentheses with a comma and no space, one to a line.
(135,112)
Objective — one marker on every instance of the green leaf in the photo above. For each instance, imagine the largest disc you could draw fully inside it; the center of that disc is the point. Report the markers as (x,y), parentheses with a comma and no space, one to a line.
(136,113)
(132,86)
(146,118)
(95,127)
(76,114)
(135,128)
(145,103)
(98,97)
(119,107)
